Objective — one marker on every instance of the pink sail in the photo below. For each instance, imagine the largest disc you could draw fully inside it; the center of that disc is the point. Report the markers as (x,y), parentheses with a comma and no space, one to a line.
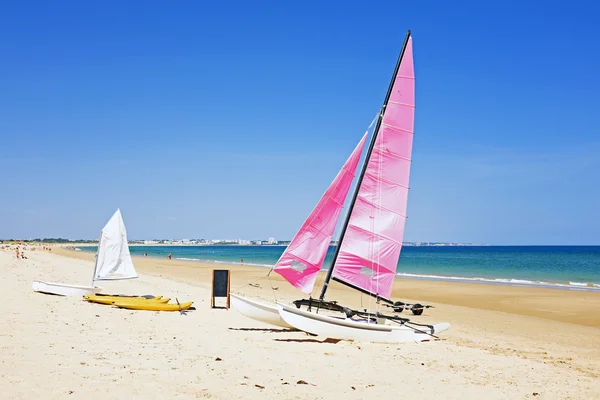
(302,259)
(371,245)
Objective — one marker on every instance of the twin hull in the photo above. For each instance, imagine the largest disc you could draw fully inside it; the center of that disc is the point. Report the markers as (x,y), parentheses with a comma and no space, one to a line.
(259,311)
(343,328)
(331,327)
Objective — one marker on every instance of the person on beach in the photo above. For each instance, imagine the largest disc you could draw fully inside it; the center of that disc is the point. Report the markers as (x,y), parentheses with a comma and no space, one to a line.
(17,253)
(169,256)
(145,254)
(242,260)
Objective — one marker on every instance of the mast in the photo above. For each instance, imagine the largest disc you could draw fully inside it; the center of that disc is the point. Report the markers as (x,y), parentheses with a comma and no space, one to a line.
(364,168)
(97,256)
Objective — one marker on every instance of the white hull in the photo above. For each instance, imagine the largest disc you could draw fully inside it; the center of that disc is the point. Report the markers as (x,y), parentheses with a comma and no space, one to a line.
(64,290)
(340,328)
(257,310)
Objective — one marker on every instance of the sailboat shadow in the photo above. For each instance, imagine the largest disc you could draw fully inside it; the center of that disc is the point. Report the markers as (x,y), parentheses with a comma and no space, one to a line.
(51,294)
(328,340)
(269,330)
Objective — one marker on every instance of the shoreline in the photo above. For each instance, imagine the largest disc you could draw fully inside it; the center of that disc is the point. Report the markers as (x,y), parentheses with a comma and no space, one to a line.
(548,284)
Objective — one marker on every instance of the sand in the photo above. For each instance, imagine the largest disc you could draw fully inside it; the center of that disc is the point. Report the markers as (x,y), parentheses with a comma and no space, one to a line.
(504,343)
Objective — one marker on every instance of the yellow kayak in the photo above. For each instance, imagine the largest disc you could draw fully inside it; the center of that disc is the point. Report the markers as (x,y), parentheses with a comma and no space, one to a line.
(146,296)
(132,301)
(154,306)
(93,297)
(129,300)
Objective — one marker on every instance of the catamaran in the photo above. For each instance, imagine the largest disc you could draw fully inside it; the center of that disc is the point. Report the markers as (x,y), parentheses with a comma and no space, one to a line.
(113,262)
(370,242)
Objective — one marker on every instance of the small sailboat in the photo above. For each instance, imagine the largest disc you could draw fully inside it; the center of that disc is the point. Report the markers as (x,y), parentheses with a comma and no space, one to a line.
(113,262)
(371,238)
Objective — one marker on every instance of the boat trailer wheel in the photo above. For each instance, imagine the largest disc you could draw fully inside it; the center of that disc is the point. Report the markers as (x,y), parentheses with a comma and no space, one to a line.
(398,306)
(417,309)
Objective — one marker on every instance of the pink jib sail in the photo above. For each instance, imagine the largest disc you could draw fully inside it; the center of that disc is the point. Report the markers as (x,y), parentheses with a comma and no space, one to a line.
(371,245)
(302,259)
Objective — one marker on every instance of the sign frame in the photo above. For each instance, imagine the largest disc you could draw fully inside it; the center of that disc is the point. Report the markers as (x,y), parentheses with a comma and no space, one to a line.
(217,289)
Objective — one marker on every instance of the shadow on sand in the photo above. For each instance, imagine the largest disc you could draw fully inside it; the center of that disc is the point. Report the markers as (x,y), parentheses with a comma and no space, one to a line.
(270,330)
(328,340)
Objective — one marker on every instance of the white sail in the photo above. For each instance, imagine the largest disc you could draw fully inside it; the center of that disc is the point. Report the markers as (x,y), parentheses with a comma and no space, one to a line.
(113,260)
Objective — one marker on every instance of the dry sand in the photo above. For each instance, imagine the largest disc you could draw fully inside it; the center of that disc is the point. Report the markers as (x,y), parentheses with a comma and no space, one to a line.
(504,343)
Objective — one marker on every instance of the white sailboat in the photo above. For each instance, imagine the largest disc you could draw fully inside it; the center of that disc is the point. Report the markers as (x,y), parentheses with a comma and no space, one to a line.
(113,262)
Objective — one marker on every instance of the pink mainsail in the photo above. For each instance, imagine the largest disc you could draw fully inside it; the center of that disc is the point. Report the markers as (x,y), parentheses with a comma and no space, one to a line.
(371,245)
(302,259)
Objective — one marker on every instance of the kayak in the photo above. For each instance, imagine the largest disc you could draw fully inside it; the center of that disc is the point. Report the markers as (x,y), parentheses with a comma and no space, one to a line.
(111,297)
(130,300)
(121,296)
(154,306)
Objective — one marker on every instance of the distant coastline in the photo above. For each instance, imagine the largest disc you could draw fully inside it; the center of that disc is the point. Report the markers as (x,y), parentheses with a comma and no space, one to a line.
(208,242)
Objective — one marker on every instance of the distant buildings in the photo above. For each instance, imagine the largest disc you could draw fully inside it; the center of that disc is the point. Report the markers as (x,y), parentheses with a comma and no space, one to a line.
(439,244)
(271,241)
(226,242)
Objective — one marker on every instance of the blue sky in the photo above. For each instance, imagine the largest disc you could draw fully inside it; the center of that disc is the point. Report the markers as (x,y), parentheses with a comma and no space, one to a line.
(230,119)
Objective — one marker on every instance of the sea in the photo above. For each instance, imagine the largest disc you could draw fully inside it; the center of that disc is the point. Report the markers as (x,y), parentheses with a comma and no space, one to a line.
(566,267)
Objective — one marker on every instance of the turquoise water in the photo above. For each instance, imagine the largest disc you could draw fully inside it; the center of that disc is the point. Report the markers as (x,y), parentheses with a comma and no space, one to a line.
(574,267)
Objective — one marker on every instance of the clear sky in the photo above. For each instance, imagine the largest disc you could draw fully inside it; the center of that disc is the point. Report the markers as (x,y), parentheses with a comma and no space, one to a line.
(205,119)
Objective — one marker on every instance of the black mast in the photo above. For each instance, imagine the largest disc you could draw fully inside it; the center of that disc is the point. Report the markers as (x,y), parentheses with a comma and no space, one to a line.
(362,174)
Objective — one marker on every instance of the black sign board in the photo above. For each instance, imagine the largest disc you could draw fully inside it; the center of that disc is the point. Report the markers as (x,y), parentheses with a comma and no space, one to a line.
(220,286)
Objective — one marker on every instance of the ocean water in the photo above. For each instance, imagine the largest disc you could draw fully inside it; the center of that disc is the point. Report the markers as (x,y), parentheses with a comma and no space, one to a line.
(573,267)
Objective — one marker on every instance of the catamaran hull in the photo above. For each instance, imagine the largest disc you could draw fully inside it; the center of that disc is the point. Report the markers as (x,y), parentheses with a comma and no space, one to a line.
(61,289)
(259,311)
(338,328)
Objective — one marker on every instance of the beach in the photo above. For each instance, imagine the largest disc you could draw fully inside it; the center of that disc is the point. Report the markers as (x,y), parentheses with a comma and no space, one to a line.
(505,342)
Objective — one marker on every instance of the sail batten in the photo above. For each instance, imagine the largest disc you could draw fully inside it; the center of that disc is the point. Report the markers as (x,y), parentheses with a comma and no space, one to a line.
(302,259)
(376,150)
(377,235)
(372,240)
(378,178)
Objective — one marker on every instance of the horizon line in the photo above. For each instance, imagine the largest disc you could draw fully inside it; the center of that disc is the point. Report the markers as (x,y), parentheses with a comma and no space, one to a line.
(464,244)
